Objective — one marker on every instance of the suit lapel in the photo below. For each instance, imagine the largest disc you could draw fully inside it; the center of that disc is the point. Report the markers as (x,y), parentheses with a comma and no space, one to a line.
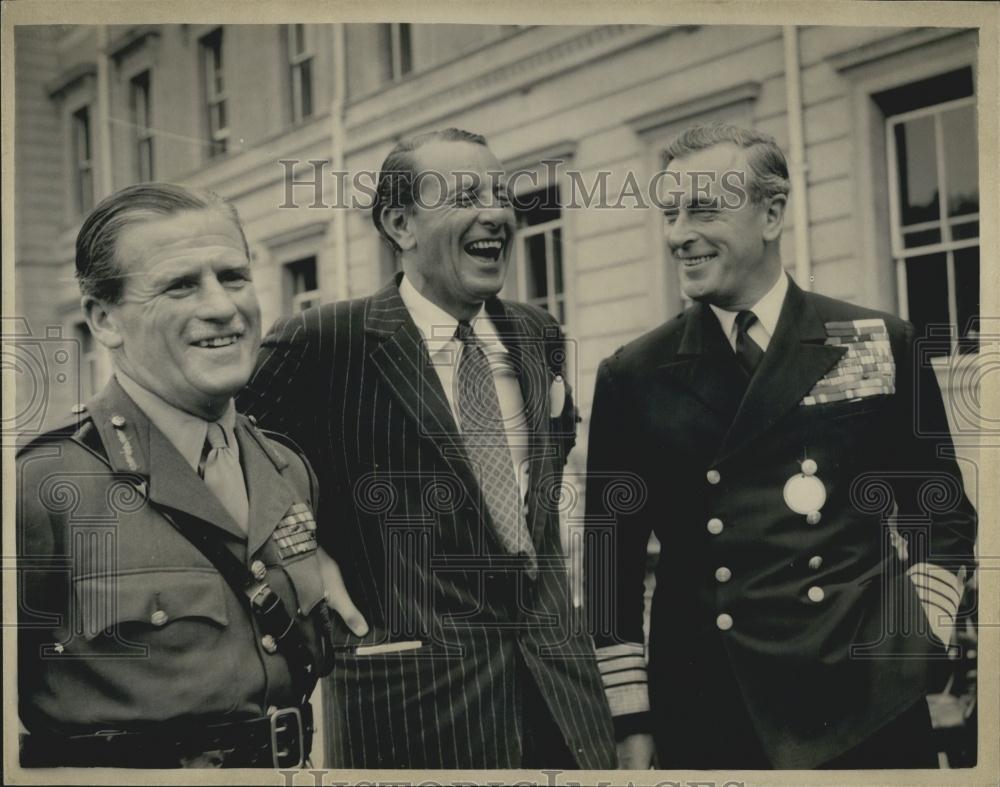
(401,359)
(139,447)
(705,364)
(796,358)
(270,495)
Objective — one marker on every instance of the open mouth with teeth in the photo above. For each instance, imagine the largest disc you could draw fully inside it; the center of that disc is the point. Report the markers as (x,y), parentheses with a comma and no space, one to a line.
(691,262)
(217,342)
(487,249)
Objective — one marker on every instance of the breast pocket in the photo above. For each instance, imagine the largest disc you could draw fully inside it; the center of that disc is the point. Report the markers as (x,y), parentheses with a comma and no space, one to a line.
(167,608)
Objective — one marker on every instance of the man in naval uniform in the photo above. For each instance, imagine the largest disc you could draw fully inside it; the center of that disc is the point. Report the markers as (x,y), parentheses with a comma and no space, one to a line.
(172,596)
(770,436)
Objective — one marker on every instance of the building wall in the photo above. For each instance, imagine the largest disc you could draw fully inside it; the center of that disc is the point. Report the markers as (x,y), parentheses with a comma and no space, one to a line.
(603,99)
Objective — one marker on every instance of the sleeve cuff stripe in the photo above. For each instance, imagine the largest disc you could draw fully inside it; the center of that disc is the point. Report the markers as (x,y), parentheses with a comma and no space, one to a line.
(943,610)
(942,575)
(941,584)
(616,651)
(626,678)
(621,664)
(925,595)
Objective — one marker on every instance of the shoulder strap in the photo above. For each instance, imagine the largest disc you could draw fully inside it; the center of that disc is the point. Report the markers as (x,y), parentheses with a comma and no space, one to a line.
(266,605)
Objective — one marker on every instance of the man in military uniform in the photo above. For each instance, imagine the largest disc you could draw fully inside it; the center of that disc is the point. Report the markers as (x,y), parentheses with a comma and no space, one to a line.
(172,598)
(771,437)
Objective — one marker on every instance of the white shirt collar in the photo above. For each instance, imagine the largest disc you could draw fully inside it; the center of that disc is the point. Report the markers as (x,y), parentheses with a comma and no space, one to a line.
(185,431)
(767,310)
(438,327)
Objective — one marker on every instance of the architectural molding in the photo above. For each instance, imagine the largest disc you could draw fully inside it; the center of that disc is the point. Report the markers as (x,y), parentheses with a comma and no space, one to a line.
(69,78)
(421,108)
(651,121)
(131,39)
(877,50)
(295,234)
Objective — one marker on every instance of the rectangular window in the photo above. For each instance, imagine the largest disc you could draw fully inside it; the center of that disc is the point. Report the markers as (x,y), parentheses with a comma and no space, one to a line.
(83,162)
(399,49)
(302,284)
(934,209)
(142,119)
(538,257)
(88,360)
(215,93)
(300,63)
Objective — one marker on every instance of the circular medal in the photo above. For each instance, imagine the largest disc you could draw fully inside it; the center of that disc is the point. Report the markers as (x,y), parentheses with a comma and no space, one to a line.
(804,493)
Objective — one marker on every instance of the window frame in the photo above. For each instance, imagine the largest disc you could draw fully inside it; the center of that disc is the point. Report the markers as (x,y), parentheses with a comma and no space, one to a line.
(947,246)
(555,303)
(298,62)
(214,87)
(140,84)
(296,302)
(82,166)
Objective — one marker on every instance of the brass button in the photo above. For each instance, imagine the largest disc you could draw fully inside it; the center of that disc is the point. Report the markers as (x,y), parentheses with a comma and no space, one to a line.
(809,467)
(816,594)
(258,569)
(723,574)
(158,618)
(813,517)
(118,421)
(713,476)
(724,622)
(815,562)
(715,526)
(268,643)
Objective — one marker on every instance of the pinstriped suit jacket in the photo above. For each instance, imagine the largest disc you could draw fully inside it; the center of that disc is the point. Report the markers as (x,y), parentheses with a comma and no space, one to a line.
(400,509)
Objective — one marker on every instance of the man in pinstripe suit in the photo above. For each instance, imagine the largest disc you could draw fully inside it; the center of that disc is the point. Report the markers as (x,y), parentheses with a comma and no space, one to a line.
(444,526)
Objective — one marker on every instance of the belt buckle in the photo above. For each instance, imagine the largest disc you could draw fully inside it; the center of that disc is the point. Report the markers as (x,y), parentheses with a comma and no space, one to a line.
(281,722)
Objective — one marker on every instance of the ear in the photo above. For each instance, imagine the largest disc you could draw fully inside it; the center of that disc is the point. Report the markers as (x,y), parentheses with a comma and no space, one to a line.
(774,217)
(103,321)
(396,222)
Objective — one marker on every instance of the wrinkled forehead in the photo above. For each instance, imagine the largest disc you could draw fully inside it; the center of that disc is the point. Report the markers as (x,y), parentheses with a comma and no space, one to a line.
(186,238)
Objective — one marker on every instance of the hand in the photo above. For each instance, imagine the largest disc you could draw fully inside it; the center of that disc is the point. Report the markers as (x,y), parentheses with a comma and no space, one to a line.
(337,597)
(635,753)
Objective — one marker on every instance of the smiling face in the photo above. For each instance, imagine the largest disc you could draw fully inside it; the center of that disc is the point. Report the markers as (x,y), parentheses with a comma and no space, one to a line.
(726,249)
(188,325)
(456,239)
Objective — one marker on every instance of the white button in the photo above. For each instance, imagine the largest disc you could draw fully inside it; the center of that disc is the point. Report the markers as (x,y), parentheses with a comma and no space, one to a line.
(158,618)
(713,476)
(815,562)
(809,467)
(723,574)
(724,622)
(816,594)
(715,526)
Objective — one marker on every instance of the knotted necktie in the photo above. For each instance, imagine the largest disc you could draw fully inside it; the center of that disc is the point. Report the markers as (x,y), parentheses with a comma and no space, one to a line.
(485,439)
(748,352)
(220,468)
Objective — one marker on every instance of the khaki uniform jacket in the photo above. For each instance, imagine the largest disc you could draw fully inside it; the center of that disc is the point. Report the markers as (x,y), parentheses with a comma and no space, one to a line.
(123,621)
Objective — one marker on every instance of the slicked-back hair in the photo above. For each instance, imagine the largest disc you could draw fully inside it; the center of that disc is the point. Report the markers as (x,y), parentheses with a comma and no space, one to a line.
(98,268)
(397,178)
(768,170)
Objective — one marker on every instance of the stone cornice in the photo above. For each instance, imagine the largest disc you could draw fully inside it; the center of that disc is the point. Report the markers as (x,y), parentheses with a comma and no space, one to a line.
(73,75)
(402,108)
(893,45)
(650,121)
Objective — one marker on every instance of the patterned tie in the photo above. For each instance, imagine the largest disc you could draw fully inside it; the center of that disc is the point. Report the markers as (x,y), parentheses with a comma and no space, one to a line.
(485,439)
(220,468)
(748,352)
